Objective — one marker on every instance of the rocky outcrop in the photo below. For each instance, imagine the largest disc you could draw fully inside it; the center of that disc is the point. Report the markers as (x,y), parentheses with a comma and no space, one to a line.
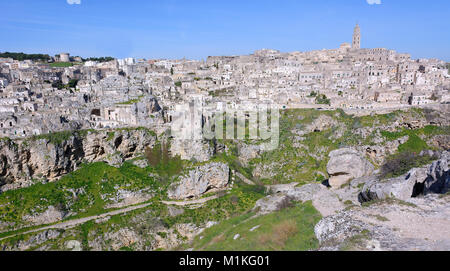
(419,224)
(51,215)
(438,176)
(324,200)
(440,142)
(272,203)
(401,187)
(22,162)
(378,153)
(323,122)
(205,178)
(123,198)
(433,178)
(33,241)
(197,150)
(248,152)
(346,164)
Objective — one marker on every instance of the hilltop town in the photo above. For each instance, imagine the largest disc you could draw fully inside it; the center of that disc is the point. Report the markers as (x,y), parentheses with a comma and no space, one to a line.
(93,155)
(39,98)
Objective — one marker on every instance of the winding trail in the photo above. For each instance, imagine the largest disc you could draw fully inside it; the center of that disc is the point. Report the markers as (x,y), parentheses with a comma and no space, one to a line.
(75,222)
(191,202)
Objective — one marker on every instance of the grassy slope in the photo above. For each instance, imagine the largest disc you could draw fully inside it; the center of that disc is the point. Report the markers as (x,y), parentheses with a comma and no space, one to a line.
(302,164)
(91,182)
(287,230)
(297,164)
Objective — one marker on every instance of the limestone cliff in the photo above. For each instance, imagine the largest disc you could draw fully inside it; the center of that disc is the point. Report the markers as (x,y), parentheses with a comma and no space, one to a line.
(46,158)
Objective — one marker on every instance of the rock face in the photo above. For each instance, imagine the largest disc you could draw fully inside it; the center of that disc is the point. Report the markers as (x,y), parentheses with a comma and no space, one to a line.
(51,215)
(24,161)
(378,153)
(401,187)
(324,200)
(346,164)
(209,177)
(200,151)
(33,241)
(438,179)
(432,179)
(419,224)
(248,152)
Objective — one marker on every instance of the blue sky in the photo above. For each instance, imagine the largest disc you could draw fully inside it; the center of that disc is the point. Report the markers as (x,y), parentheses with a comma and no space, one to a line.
(198,28)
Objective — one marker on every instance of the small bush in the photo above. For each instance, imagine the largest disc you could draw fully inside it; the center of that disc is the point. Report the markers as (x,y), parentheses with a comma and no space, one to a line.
(285,203)
(401,163)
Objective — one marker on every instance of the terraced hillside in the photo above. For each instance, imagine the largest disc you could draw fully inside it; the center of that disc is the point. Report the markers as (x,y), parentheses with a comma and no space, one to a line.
(93,178)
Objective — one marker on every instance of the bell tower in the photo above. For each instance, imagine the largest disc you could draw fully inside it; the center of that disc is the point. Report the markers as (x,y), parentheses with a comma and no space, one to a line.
(356,44)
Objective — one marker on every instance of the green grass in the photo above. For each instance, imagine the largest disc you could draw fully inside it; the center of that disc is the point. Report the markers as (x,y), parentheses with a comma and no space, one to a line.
(61,64)
(414,144)
(95,184)
(287,230)
(132,101)
(55,138)
(239,200)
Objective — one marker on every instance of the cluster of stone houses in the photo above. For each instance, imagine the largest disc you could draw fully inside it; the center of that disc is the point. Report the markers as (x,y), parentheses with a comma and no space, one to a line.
(129,92)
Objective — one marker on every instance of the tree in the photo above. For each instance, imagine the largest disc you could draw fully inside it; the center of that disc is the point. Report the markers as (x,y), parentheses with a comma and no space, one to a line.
(73,83)
(99,59)
(58,85)
(322,99)
(22,56)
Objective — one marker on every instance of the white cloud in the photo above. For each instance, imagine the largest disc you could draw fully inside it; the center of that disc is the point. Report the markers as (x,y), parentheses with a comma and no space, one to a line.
(76,2)
(374,2)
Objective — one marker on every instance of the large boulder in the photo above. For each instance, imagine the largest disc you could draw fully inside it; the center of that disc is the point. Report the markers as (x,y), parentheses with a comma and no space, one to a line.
(209,177)
(438,179)
(272,203)
(403,187)
(346,164)
(431,179)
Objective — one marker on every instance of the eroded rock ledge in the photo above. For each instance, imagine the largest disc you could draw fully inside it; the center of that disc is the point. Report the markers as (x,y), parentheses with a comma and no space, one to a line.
(46,158)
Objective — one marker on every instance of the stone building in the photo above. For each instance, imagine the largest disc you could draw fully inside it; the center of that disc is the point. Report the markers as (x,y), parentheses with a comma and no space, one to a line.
(356,44)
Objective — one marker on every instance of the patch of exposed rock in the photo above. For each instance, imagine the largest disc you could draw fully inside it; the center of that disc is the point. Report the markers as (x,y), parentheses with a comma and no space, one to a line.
(124,198)
(198,150)
(378,153)
(324,200)
(24,161)
(420,224)
(434,178)
(33,241)
(248,152)
(205,178)
(51,215)
(323,122)
(346,164)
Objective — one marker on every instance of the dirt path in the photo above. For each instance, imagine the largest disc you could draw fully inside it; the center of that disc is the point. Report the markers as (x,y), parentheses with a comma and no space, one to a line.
(191,202)
(75,222)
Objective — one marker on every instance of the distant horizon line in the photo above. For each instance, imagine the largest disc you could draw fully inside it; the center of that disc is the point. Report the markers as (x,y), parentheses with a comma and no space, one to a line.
(224,55)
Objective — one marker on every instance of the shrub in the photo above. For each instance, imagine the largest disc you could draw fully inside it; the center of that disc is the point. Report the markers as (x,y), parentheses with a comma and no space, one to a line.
(285,203)
(159,158)
(401,163)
